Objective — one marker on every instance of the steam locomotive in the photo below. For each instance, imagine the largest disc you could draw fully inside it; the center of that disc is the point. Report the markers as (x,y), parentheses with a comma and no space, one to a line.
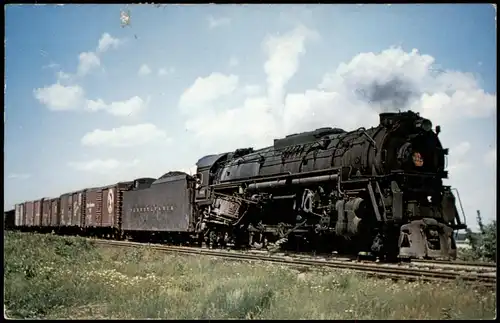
(376,191)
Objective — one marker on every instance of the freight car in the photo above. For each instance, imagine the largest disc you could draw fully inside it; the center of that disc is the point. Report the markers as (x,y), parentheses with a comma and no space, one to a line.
(104,207)
(92,211)
(9,221)
(376,191)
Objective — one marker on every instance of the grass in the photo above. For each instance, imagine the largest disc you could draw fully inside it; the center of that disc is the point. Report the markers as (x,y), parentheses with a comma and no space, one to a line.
(53,277)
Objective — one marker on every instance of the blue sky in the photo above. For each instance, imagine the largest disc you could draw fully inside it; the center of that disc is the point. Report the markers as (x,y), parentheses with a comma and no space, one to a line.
(89,102)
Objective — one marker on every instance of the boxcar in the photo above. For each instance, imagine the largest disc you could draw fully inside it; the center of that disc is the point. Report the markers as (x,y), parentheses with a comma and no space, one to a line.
(9,219)
(103,205)
(111,204)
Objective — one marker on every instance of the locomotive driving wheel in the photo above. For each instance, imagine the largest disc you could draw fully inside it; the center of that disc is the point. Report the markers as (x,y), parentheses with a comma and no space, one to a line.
(258,240)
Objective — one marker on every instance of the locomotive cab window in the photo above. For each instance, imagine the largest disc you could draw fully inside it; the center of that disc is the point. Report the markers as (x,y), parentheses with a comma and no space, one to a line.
(199,180)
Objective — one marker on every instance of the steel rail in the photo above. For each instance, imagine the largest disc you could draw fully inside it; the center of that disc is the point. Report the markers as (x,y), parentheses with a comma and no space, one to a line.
(487,266)
(381,270)
(457,263)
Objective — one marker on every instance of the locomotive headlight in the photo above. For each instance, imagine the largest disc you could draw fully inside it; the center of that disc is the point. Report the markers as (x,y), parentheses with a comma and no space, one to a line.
(424,124)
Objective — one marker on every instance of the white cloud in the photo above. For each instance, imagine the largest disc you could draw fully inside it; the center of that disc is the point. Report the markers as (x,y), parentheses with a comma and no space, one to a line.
(233,62)
(90,60)
(191,170)
(103,165)
(125,136)
(166,71)
(87,61)
(51,66)
(19,176)
(459,157)
(461,149)
(106,42)
(252,89)
(118,108)
(318,108)
(210,88)
(63,76)
(225,130)
(58,97)
(490,158)
(144,70)
(283,53)
(217,22)
(257,119)
(162,72)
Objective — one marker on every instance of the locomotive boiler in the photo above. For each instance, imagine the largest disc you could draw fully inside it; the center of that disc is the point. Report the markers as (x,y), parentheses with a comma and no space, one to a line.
(375,191)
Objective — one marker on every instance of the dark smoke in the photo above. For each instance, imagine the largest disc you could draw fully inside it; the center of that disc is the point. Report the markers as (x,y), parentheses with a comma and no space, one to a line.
(389,96)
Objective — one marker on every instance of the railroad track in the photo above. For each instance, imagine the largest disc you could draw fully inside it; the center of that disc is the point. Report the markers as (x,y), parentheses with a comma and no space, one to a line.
(464,265)
(456,263)
(395,271)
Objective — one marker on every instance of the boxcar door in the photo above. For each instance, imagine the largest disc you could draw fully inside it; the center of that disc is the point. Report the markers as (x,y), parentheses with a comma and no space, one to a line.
(54,213)
(90,208)
(108,207)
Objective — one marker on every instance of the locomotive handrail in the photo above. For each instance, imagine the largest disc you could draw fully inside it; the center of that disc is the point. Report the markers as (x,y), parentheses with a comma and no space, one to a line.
(403,172)
(461,207)
(363,130)
(339,184)
(247,179)
(273,164)
(235,197)
(296,181)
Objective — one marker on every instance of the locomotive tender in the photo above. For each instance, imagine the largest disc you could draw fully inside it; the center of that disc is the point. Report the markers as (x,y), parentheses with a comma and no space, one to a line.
(378,191)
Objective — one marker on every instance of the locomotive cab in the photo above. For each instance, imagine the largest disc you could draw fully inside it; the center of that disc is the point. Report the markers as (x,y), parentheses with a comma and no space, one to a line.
(205,170)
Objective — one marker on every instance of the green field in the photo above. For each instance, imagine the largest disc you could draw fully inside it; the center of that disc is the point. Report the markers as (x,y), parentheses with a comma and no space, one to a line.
(54,277)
